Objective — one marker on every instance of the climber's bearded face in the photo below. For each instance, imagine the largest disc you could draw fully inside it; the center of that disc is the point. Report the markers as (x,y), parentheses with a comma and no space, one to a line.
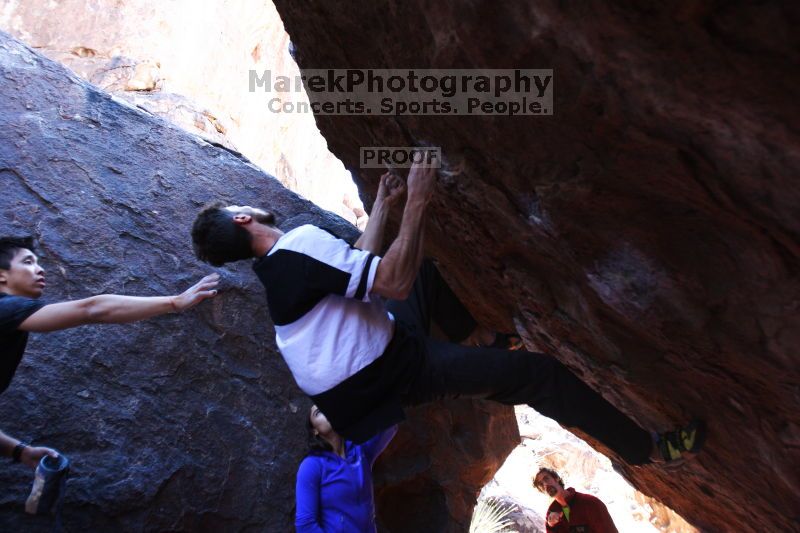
(257,214)
(24,277)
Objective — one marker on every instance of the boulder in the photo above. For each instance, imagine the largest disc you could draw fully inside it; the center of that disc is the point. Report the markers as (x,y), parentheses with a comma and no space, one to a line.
(189,62)
(179,423)
(646,233)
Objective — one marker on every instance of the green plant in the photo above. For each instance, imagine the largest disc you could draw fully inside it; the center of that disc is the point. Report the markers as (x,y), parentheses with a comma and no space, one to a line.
(490,516)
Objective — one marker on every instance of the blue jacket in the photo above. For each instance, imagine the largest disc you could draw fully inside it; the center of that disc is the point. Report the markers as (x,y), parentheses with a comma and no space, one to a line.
(335,494)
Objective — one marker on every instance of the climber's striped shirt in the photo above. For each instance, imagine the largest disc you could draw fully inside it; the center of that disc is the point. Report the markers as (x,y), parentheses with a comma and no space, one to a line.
(327,325)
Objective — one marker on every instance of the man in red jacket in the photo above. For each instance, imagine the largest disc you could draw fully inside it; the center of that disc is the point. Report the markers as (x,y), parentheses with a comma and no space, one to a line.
(572,511)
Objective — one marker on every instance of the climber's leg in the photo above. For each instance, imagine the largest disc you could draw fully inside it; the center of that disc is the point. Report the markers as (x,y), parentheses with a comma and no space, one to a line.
(519,377)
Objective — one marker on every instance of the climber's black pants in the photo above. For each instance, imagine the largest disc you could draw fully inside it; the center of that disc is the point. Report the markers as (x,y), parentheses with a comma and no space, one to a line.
(450,370)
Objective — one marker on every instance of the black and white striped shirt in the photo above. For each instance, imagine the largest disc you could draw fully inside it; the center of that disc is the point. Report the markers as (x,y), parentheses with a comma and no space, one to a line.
(327,325)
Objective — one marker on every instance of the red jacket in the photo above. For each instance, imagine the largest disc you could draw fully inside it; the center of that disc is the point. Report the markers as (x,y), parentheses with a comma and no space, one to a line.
(587,514)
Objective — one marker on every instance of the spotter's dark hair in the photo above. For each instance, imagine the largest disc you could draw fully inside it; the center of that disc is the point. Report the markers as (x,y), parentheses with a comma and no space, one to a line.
(9,246)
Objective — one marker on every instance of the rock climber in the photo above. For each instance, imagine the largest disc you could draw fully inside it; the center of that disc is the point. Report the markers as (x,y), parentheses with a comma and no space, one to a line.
(354,327)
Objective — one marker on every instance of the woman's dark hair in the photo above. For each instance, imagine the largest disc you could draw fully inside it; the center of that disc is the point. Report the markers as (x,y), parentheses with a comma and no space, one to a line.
(9,246)
(217,239)
(316,443)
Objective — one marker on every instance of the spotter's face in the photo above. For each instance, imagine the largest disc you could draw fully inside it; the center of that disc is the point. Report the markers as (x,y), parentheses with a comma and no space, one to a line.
(547,483)
(24,277)
(319,422)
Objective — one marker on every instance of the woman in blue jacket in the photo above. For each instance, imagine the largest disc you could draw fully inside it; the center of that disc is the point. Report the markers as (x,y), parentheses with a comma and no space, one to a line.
(334,481)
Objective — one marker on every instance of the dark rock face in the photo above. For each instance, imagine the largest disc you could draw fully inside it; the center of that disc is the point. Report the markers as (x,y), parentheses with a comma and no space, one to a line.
(432,473)
(180,423)
(646,234)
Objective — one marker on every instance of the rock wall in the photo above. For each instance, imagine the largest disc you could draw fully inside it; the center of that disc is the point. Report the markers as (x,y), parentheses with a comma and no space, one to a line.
(439,462)
(180,423)
(188,61)
(646,233)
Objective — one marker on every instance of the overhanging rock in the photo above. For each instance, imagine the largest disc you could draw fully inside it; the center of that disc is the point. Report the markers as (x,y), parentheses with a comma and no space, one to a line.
(646,234)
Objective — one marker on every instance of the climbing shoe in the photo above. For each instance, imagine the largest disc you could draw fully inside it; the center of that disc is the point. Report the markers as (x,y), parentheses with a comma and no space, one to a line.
(688,439)
(507,341)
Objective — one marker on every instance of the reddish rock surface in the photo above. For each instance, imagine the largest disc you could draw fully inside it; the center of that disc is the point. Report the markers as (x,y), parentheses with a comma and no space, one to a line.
(431,475)
(646,234)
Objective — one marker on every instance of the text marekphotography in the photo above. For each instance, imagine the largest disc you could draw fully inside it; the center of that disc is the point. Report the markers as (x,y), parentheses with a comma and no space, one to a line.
(408,91)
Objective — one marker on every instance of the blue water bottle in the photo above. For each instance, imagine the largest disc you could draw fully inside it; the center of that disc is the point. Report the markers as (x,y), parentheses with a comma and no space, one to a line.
(49,483)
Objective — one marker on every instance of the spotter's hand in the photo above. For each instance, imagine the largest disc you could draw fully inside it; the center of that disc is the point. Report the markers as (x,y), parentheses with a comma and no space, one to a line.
(203,289)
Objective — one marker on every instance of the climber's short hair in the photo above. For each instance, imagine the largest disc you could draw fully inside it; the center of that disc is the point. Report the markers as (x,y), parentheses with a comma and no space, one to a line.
(9,246)
(552,473)
(217,239)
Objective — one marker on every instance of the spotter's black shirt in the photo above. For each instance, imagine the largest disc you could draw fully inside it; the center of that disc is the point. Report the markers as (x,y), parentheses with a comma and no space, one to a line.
(13,312)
